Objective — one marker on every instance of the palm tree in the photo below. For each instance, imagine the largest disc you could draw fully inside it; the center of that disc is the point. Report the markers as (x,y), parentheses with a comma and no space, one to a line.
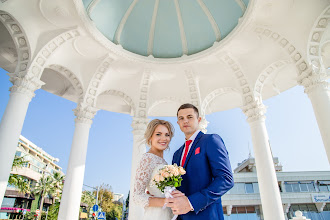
(58,180)
(21,183)
(44,187)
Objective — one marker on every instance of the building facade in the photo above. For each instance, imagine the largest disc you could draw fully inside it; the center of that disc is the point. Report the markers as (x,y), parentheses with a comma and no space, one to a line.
(307,191)
(38,163)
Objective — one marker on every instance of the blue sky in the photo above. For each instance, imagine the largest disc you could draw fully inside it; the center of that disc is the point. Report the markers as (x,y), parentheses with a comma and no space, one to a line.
(291,125)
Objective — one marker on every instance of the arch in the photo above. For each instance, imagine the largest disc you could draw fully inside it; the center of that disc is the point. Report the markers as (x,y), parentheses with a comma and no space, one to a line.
(215,93)
(169,99)
(93,88)
(266,74)
(290,49)
(242,80)
(39,62)
(122,95)
(21,41)
(315,38)
(76,83)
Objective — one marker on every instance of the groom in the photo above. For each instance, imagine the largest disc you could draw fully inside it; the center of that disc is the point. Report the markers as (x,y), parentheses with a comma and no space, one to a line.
(208,177)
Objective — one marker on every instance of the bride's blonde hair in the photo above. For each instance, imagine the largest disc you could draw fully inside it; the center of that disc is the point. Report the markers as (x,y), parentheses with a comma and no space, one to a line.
(152,127)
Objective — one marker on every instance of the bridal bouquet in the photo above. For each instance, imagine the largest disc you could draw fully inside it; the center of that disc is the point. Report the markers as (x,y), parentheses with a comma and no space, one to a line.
(167,179)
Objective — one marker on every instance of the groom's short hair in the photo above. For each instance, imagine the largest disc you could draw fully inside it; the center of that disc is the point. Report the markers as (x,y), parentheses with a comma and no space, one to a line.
(188,105)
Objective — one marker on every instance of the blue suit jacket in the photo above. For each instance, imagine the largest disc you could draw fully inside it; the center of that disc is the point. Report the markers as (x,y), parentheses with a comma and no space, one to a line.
(208,176)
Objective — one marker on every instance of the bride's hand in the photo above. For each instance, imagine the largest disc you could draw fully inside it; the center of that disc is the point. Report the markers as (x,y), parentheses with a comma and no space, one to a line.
(177,193)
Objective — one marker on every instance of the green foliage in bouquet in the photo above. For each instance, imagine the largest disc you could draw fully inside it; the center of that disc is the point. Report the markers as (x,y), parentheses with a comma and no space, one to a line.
(169,175)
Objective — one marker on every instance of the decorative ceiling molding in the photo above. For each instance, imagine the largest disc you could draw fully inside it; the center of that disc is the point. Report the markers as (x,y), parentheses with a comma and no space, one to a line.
(152,29)
(93,89)
(142,108)
(214,94)
(76,83)
(123,22)
(241,78)
(182,33)
(125,97)
(193,86)
(21,41)
(267,74)
(241,4)
(91,7)
(38,64)
(289,48)
(315,38)
(211,20)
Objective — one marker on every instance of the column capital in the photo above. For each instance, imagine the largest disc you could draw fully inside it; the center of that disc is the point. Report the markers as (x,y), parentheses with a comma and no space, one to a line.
(254,111)
(24,85)
(84,113)
(203,124)
(139,125)
(315,81)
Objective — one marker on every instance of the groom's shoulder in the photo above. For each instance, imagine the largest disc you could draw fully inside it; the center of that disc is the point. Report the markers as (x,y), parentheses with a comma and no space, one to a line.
(211,138)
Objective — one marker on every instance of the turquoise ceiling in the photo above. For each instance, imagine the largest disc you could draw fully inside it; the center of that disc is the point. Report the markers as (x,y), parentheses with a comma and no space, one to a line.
(165,28)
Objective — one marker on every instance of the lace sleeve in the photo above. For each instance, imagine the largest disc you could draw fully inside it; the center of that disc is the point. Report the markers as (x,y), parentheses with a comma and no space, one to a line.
(142,179)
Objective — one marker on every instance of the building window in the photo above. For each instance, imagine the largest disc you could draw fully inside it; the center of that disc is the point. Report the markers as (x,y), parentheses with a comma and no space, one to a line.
(324,186)
(309,211)
(249,188)
(8,202)
(239,188)
(243,213)
(305,186)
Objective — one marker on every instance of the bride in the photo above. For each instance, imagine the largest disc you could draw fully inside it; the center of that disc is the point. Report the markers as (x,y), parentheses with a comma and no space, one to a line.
(158,136)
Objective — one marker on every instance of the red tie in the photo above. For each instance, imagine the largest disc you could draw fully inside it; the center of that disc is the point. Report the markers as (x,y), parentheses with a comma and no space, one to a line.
(188,142)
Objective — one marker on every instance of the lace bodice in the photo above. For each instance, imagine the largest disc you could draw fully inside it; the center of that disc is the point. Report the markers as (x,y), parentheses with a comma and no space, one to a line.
(143,176)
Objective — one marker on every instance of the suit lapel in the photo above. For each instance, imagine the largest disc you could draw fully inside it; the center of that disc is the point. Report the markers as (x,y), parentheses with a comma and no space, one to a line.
(178,156)
(192,149)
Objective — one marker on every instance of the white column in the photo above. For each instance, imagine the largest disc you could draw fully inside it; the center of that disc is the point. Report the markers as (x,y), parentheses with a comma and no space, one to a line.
(139,126)
(318,91)
(268,185)
(71,196)
(11,125)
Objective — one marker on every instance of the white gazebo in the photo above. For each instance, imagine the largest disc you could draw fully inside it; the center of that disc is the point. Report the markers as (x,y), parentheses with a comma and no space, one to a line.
(145,58)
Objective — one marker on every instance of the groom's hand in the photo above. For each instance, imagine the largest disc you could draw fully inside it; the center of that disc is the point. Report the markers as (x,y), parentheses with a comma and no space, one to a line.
(179,205)
(176,193)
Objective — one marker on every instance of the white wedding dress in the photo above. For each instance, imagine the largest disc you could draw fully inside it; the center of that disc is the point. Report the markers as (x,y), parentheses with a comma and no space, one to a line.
(148,167)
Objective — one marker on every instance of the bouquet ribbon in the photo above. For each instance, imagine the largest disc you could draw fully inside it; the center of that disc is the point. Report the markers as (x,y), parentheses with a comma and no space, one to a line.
(167,191)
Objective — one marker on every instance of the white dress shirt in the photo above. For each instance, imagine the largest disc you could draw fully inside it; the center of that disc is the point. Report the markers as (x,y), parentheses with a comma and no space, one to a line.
(193,137)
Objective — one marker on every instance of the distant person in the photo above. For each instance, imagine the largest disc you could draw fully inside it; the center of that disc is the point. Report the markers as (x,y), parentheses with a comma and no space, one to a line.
(209,175)
(158,136)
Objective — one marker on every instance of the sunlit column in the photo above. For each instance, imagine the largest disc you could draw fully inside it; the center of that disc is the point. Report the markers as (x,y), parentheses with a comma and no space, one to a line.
(139,126)
(70,201)
(12,121)
(268,185)
(318,90)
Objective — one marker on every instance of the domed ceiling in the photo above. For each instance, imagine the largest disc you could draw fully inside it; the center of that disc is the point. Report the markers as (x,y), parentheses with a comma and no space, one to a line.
(165,28)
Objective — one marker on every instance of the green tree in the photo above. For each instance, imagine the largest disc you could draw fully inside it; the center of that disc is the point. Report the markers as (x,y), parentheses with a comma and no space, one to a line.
(88,198)
(44,187)
(53,211)
(105,198)
(58,182)
(20,182)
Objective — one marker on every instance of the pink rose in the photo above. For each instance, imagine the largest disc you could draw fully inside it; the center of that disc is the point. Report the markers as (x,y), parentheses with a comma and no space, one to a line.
(182,171)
